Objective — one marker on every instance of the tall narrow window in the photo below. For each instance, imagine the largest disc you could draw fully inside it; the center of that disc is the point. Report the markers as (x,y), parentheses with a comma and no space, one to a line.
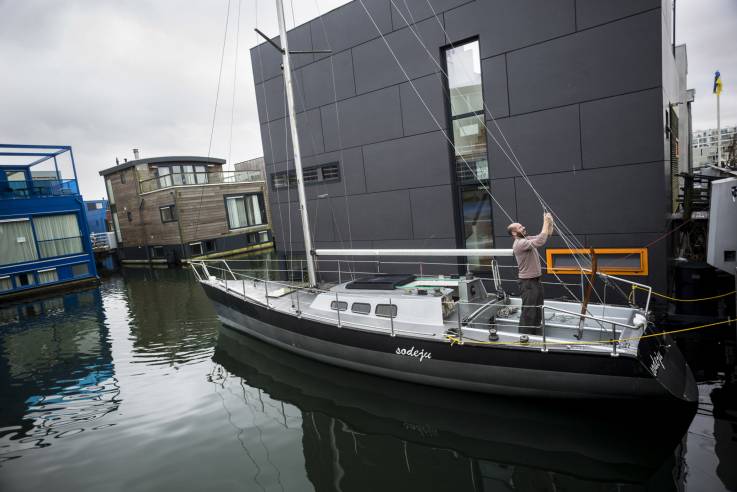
(469,140)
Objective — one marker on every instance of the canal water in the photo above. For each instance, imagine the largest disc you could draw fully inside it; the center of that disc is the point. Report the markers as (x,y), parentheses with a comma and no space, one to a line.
(135,386)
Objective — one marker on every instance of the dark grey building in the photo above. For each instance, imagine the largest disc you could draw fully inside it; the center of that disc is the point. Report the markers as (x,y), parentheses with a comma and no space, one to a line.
(586,93)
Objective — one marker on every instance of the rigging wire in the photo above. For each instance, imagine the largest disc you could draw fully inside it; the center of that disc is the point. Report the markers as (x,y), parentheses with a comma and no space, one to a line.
(516,164)
(235,82)
(444,133)
(215,109)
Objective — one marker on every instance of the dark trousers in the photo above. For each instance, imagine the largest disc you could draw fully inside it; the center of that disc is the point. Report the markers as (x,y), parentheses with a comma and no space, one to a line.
(531,291)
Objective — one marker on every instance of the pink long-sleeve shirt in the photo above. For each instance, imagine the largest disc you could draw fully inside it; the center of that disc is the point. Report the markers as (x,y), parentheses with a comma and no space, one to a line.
(525,252)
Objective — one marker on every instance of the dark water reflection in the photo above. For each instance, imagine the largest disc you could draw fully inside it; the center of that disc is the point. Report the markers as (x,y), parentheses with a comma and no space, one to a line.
(136,386)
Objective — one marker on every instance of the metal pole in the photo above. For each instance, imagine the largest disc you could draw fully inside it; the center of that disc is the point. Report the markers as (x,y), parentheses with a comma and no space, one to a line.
(266,290)
(337,307)
(295,143)
(340,281)
(391,316)
(460,326)
(614,341)
(545,340)
(719,135)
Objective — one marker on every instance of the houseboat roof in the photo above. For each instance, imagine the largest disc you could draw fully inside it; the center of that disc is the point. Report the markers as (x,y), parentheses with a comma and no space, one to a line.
(154,160)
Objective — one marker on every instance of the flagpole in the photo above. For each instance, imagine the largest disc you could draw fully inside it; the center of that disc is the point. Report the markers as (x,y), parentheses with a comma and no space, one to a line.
(719,135)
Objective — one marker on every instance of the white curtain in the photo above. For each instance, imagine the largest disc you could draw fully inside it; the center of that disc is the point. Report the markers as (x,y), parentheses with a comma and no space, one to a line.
(47,277)
(237,212)
(16,242)
(58,235)
(254,211)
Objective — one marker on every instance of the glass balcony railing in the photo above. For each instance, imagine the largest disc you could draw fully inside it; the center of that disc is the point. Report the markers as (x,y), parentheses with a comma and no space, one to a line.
(38,188)
(195,178)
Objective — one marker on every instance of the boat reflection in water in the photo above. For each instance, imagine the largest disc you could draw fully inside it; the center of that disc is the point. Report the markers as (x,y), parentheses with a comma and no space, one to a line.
(363,432)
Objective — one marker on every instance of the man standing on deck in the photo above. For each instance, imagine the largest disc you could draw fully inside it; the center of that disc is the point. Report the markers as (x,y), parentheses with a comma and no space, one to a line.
(528,261)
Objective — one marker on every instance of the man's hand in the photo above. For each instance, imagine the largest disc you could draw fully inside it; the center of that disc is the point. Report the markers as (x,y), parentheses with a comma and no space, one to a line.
(548,223)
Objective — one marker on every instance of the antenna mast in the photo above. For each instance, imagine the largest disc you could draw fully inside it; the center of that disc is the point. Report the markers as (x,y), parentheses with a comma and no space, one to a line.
(295,144)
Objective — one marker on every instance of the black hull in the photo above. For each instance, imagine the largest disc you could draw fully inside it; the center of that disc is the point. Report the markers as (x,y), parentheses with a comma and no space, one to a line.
(580,439)
(508,370)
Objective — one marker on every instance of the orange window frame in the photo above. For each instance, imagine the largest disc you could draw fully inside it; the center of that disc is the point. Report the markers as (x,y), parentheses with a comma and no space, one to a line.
(642,269)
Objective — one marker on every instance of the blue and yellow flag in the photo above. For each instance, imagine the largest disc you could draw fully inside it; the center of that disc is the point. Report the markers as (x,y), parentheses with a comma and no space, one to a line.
(717,83)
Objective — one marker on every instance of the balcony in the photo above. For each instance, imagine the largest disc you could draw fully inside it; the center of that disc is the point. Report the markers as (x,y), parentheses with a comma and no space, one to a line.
(199,178)
(38,188)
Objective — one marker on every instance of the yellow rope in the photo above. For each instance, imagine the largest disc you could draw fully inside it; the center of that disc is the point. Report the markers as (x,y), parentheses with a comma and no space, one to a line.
(634,287)
(455,340)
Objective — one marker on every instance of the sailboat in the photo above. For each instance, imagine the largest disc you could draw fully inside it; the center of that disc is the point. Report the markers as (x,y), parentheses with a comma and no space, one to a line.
(448,330)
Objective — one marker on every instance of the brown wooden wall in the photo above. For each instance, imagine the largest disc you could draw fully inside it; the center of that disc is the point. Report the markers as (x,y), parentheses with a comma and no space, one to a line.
(200,211)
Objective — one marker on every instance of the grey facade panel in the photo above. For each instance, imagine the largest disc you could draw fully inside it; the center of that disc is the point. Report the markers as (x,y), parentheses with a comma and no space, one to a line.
(368,118)
(600,201)
(503,26)
(494,77)
(317,80)
(374,63)
(277,137)
(432,212)
(504,205)
(616,58)
(544,142)
(349,25)
(411,162)
(404,13)
(593,12)
(271,97)
(266,60)
(379,216)
(415,115)
(622,130)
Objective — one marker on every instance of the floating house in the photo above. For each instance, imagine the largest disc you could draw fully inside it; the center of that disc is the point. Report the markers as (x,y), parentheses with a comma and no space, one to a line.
(586,102)
(168,209)
(44,237)
(97,216)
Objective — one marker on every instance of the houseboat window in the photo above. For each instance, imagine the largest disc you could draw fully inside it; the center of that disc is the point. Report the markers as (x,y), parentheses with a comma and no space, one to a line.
(157,251)
(210,246)
(386,310)
(339,306)
(80,269)
(164,177)
(201,174)
(25,279)
(263,236)
(58,235)
(315,174)
(47,276)
(122,177)
(167,214)
(5,284)
(16,242)
(244,211)
(110,194)
(196,248)
(361,307)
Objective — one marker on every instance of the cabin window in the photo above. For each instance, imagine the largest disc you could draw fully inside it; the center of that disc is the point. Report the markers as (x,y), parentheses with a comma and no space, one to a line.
(16,242)
(361,308)
(58,235)
(25,279)
(47,276)
(339,306)
(80,269)
(386,310)
(244,211)
(263,236)
(157,251)
(164,177)
(196,248)
(5,284)
(168,214)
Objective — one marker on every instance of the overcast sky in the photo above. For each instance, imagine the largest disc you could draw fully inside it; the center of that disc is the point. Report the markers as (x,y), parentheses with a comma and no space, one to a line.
(106,76)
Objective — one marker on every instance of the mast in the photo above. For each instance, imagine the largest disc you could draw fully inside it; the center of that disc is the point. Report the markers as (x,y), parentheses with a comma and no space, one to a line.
(295,144)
